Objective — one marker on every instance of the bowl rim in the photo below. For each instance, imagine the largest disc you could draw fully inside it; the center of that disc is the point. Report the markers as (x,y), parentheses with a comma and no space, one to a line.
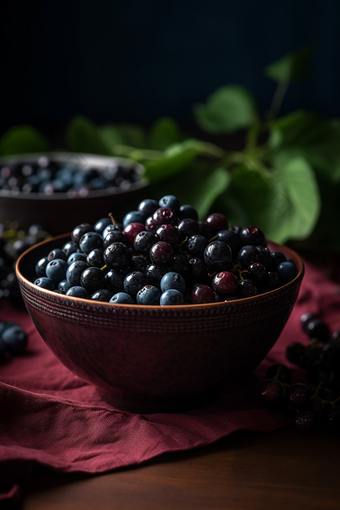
(299,276)
(67,156)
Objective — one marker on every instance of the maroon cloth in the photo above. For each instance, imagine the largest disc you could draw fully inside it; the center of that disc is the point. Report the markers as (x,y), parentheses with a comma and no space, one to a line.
(50,416)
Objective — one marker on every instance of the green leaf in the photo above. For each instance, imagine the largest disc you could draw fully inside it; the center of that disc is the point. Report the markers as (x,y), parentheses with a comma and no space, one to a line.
(294,66)
(22,139)
(285,205)
(250,195)
(203,192)
(310,136)
(110,135)
(297,203)
(163,133)
(82,136)
(228,109)
(176,158)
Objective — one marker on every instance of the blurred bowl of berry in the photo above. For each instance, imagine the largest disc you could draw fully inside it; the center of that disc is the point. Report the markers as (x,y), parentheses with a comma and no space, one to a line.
(160,312)
(61,188)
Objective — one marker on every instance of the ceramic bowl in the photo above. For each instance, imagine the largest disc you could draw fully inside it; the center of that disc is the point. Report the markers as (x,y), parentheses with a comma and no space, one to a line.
(56,212)
(155,358)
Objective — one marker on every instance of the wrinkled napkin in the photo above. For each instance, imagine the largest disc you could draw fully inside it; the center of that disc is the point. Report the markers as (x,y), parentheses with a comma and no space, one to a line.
(50,416)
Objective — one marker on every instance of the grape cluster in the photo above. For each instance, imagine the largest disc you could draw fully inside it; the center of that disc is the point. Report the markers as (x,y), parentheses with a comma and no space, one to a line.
(161,254)
(13,242)
(13,339)
(48,176)
(316,404)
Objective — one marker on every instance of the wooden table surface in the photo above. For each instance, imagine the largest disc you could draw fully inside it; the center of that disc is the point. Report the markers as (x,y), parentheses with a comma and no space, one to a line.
(279,470)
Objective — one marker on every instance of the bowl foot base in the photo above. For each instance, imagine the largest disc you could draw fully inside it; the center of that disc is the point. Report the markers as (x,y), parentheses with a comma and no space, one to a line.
(146,404)
(141,404)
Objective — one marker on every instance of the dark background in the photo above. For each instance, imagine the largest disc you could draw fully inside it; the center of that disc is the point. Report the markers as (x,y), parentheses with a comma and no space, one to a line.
(136,60)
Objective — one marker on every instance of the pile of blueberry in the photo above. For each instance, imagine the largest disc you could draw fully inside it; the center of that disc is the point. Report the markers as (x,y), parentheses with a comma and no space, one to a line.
(13,242)
(49,176)
(13,339)
(316,404)
(161,254)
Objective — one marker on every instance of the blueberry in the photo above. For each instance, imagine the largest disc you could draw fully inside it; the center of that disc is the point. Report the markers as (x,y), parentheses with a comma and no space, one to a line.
(112,228)
(80,230)
(122,297)
(316,328)
(147,207)
(143,242)
(248,255)
(155,274)
(229,237)
(64,285)
(187,211)
(74,272)
(173,280)
(277,257)
(171,297)
(217,256)
(15,339)
(69,248)
(92,279)
(187,228)
(57,253)
(45,283)
(287,271)
(148,295)
(169,201)
(196,245)
(5,325)
(113,236)
(258,273)
(77,291)
(101,224)
(56,270)
(40,268)
(76,257)
(90,241)
(247,288)
(133,217)
(252,235)
(102,295)
(133,282)
(95,258)
(114,281)
(117,256)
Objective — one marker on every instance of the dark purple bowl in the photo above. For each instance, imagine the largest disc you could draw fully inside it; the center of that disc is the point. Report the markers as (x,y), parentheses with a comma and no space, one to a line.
(155,358)
(59,210)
